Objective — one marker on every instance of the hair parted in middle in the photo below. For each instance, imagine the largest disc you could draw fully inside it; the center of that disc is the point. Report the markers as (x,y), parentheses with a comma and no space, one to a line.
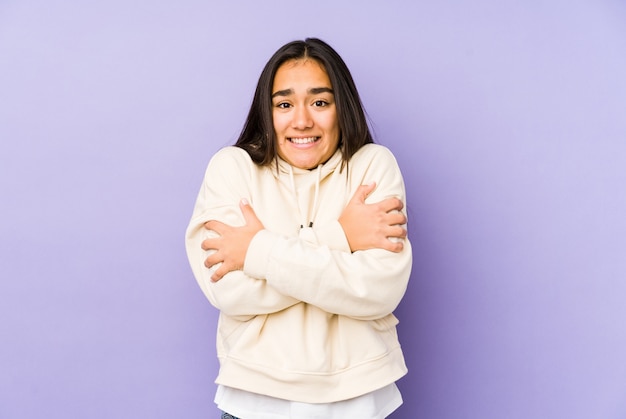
(258,138)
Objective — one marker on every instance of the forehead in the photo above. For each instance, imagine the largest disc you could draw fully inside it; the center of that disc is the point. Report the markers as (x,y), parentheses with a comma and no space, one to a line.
(301,72)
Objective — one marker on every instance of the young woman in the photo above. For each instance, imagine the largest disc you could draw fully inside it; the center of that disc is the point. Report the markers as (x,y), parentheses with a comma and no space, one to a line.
(298,237)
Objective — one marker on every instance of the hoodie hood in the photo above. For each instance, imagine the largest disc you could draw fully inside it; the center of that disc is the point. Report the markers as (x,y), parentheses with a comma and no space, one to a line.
(304,185)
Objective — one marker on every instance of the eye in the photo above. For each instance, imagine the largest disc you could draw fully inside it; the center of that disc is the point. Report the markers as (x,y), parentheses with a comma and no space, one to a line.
(320,103)
(283,105)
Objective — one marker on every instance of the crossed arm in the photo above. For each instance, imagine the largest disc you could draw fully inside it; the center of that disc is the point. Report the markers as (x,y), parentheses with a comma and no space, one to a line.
(254,270)
(366,226)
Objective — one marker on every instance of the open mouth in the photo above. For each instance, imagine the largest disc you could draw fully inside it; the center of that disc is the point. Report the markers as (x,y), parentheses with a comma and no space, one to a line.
(303,140)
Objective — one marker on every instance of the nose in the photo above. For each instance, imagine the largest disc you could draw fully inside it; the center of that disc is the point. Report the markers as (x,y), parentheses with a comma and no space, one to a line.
(302,118)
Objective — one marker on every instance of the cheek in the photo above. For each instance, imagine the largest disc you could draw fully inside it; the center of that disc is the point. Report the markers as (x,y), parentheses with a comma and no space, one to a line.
(278,122)
(333,122)
(329,122)
(334,126)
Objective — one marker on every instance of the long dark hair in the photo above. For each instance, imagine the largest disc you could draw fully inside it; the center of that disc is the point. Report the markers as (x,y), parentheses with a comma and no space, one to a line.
(258,137)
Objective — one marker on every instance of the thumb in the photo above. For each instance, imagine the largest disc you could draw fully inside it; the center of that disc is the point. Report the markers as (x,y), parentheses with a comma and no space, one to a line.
(363,191)
(248,213)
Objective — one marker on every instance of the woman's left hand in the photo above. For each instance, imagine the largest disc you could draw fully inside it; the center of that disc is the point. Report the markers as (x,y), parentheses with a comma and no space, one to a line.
(232,244)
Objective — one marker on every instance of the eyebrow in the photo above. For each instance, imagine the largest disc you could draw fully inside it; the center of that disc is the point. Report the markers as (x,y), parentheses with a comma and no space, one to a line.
(312,90)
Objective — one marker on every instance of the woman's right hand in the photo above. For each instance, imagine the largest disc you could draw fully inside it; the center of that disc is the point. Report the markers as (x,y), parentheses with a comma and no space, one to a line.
(371,226)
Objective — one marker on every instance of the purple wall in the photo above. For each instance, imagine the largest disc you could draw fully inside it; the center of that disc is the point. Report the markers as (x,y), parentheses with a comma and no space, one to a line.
(507,118)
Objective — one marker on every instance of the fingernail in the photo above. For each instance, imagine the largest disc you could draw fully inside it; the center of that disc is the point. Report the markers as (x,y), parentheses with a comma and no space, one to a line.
(244,201)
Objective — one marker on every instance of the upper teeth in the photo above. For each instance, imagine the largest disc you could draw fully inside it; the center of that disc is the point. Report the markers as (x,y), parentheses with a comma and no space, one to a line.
(303,140)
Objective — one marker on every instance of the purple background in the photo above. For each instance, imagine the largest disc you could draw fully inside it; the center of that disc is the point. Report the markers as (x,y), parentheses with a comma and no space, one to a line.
(508,119)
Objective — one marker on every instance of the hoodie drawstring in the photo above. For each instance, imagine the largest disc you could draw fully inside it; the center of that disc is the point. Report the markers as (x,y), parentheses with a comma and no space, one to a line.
(316,195)
(294,191)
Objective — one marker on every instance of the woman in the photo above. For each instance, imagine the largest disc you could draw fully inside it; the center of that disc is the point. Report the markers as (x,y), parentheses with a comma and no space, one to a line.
(298,238)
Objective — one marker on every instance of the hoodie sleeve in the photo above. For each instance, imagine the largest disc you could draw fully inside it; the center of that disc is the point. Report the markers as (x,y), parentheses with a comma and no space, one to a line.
(237,294)
(366,284)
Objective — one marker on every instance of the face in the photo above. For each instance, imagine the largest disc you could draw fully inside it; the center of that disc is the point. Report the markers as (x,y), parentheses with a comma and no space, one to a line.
(304,114)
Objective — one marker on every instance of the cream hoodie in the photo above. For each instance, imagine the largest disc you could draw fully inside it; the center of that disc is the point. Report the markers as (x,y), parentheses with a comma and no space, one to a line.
(306,319)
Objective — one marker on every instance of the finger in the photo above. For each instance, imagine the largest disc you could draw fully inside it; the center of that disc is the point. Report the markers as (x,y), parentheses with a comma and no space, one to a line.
(391,204)
(397,232)
(248,213)
(209,244)
(215,225)
(393,218)
(363,192)
(222,271)
(213,260)
(397,247)
(393,246)
(217,275)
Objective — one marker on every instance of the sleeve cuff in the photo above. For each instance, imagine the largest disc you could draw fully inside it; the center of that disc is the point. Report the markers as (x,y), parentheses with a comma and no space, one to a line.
(333,236)
(258,255)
